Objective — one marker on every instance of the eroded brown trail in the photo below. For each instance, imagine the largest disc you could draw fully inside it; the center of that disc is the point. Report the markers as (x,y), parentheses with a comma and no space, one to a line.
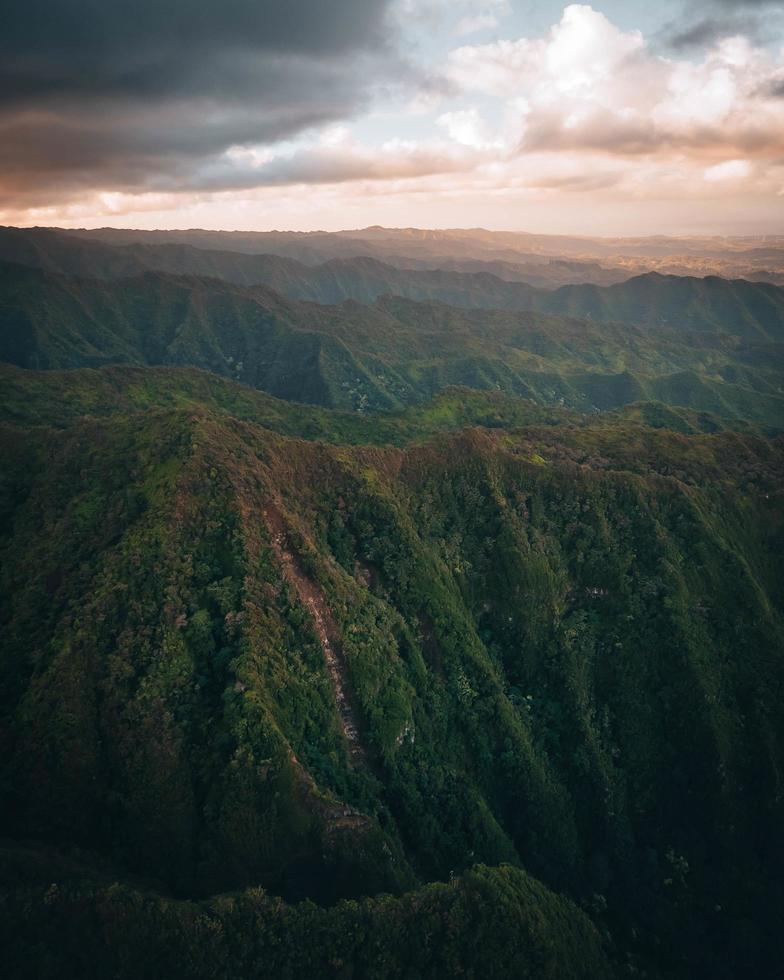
(312,598)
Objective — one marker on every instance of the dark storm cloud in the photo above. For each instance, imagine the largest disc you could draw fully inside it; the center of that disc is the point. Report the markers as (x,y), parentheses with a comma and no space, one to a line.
(710,29)
(703,23)
(156,47)
(144,94)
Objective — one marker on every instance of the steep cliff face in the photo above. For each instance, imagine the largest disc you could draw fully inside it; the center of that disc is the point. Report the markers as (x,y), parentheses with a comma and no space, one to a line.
(233,658)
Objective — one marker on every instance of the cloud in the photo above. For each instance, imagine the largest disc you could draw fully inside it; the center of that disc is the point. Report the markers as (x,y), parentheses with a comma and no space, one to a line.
(709,29)
(703,22)
(584,49)
(328,162)
(589,86)
(466,126)
(729,170)
(138,94)
(153,49)
(250,113)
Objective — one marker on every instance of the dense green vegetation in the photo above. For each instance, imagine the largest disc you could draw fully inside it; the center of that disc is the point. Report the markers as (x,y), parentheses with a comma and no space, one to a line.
(326,654)
(398,352)
(491,923)
(60,397)
(561,644)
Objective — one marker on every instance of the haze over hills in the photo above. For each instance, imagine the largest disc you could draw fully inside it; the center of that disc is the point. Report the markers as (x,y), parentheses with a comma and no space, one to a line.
(540,260)
(58,250)
(686,302)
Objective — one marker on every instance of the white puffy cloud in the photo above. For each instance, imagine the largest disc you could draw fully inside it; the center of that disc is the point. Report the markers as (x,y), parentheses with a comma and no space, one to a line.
(587,85)
(580,54)
(466,126)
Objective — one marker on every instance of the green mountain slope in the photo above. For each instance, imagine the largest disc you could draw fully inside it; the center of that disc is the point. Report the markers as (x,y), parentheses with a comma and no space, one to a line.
(711,303)
(495,923)
(58,398)
(236,659)
(394,353)
(326,654)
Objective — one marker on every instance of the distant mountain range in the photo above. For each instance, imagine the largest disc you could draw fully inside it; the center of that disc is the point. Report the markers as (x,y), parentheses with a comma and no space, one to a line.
(545,261)
(697,303)
(229,255)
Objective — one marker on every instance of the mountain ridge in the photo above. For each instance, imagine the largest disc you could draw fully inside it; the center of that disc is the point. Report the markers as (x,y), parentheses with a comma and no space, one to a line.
(488,588)
(392,353)
(544,267)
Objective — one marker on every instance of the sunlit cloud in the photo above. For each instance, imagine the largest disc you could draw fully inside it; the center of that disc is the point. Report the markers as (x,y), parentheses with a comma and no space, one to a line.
(589,86)
(586,112)
(729,170)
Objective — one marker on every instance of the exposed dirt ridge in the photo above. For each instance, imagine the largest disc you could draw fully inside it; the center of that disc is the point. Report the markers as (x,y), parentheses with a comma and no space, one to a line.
(313,599)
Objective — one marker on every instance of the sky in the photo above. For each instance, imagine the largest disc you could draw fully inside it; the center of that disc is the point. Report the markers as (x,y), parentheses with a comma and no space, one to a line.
(620,117)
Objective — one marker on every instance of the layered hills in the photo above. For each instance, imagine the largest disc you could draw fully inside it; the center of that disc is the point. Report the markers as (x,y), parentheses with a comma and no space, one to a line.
(543,260)
(652,299)
(251,259)
(709,345)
